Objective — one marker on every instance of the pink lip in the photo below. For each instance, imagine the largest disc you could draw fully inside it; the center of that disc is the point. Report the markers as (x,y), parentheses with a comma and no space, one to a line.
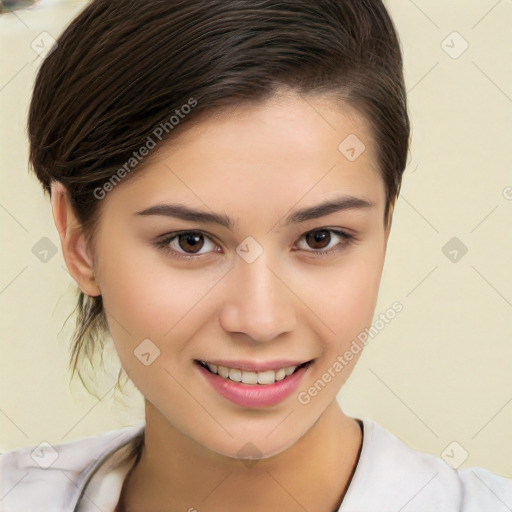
(255,395)
(252,366)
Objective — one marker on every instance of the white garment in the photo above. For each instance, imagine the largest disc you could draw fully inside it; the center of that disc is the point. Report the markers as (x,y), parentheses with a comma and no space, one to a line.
(87,475)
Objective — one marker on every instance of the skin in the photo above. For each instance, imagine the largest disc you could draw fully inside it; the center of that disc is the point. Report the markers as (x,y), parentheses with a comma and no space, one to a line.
(255,164)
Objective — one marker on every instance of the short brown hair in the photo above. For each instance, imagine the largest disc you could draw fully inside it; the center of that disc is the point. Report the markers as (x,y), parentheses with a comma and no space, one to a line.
(122,68)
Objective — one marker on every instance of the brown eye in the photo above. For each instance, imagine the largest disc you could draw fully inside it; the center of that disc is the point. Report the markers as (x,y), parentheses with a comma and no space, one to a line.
(187,244)
(190,242)
(322,242)
(319,239)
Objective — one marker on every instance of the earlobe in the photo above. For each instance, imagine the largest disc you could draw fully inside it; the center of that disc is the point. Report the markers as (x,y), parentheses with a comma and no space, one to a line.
(388,224)
(74,247)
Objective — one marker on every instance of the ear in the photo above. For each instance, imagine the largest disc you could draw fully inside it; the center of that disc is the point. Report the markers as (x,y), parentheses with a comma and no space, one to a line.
(390,221)
(76,253)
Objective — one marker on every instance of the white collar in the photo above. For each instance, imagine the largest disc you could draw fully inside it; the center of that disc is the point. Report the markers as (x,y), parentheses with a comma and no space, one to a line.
(89,473)
(387,468)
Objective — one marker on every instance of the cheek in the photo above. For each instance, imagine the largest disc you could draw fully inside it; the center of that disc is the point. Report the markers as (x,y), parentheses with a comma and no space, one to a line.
(146,298)
(346,304)
(345,296)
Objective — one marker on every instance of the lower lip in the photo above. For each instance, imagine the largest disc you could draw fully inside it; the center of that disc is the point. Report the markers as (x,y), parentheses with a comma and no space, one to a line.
(255,395)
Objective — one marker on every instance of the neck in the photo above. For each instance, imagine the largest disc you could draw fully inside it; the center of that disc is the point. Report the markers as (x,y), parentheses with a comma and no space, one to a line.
(313,474)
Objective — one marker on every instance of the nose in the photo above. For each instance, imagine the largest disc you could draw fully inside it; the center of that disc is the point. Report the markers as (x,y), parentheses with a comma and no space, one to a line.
(259,301)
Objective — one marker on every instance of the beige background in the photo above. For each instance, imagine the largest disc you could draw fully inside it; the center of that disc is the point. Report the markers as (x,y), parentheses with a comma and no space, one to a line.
(439,372)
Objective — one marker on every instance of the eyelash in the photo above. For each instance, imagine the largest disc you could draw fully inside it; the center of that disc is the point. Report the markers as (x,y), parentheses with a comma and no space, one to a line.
(163,244)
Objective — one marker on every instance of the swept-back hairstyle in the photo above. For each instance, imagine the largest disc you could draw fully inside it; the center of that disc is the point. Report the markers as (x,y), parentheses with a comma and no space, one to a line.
(125,72)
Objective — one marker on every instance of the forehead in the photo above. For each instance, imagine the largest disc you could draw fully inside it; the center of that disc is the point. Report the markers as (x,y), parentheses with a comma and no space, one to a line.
(275,154)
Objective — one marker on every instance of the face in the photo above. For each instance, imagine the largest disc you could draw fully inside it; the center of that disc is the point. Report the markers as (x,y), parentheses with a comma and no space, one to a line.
(271,287)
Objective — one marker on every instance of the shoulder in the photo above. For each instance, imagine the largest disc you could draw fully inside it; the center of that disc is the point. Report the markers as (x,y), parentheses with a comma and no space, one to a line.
(51,477)
(401,478)
(483,490)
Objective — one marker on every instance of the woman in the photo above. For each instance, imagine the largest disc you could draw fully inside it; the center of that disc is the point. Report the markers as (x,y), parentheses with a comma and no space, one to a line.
(223,176)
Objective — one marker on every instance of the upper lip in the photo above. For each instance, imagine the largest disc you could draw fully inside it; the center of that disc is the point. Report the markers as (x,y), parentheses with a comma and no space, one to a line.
(256,366)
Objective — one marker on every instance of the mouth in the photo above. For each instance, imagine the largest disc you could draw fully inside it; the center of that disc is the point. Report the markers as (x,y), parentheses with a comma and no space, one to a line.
(252,378)
(254,389)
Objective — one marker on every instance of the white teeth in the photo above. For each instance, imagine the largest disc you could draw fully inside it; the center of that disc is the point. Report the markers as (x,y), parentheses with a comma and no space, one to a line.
(267,377)
(222,370)
(235,375)
(247,377)
(250,377)
(281,374)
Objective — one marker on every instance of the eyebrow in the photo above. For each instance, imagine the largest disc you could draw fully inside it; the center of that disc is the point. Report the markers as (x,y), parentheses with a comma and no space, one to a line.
(183,212)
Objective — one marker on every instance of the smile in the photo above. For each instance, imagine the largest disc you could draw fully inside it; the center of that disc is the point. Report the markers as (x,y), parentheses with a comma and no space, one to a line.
(250,377)
(248,388)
